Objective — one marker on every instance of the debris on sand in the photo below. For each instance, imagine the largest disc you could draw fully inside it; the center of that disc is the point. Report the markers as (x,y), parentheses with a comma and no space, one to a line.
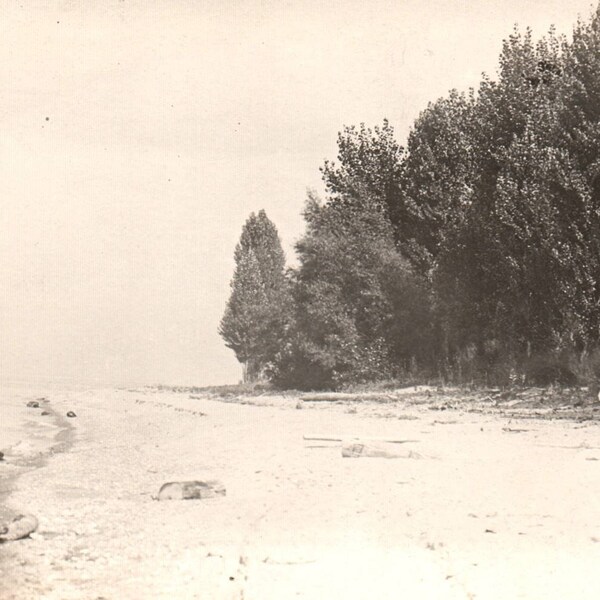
(191,490)
(71,414)
(20,527)
(33,404)
(337,437)
(358,450)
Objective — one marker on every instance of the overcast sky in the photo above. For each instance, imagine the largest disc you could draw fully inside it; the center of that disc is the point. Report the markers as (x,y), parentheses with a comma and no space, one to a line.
(137,136)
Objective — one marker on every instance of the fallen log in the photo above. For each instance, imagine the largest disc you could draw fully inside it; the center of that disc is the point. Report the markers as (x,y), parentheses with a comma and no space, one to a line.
(20,527)
(321,437)
(360,450)
(191,490)
(328,397)
(344,396)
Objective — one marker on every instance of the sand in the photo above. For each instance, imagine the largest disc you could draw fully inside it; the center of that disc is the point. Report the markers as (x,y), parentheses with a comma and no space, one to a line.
(487,507)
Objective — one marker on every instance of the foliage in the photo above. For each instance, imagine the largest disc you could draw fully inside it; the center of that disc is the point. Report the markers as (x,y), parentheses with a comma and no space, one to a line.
(346,288)
(256,316)
(472,252)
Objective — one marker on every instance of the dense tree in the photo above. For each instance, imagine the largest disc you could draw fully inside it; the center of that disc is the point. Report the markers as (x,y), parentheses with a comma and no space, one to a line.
(347,288)
(256,316)
(479,242)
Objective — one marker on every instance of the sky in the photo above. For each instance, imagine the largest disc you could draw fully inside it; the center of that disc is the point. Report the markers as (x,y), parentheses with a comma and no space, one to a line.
(138,136)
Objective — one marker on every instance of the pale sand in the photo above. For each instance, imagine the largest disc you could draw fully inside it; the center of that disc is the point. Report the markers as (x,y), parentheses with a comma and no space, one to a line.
(487,513)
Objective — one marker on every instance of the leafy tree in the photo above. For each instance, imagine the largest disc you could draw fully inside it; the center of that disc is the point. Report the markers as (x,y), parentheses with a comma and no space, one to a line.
(256,316)
(438,175)
(370,161)
(345,291)
(480,239)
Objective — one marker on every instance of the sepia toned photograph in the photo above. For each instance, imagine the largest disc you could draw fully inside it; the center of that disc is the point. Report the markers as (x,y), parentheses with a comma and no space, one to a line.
(299,300)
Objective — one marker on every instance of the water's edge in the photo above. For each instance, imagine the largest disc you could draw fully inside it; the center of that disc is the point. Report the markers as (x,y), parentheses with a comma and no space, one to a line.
(62,441)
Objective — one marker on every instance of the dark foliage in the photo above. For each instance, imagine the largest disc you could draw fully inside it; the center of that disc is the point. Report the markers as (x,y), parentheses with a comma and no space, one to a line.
(474,252)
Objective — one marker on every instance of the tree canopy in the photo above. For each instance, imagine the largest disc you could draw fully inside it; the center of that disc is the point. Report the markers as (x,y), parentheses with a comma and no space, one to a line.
(476,247)
(255,318)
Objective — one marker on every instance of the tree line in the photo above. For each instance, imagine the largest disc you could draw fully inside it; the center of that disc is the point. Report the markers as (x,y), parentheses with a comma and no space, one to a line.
(472,253)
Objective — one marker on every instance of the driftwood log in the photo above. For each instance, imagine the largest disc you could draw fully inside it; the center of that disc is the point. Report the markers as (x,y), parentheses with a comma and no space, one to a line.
(333,437)
(20,527)
(191,490)
(374,450)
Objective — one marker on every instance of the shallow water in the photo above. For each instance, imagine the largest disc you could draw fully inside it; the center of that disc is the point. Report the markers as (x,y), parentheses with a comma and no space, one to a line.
(27,437)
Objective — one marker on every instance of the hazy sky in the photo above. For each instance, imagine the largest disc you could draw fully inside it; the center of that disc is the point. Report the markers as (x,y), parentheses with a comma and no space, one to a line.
(137,136)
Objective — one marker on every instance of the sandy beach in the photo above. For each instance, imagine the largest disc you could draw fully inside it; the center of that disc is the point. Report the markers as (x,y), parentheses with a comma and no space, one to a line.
(487,505)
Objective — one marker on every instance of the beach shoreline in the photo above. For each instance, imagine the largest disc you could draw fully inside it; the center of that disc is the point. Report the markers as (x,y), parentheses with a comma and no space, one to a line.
(481,504)
(28,439)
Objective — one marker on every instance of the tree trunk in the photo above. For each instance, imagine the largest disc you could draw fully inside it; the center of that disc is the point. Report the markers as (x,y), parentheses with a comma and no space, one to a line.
(251,371)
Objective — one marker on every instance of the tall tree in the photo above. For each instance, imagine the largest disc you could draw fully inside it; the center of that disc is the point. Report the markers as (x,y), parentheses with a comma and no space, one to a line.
(358,307)
(256,316)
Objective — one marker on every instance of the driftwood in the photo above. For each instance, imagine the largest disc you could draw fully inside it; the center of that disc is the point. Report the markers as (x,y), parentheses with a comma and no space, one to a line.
(20,527)
(191,490)
(360,450)
(328,397)
(321,437)
(344,396)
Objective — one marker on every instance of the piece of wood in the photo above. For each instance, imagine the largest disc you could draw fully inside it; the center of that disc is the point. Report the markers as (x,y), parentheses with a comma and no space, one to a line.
(20,527)
(328,397)
(344,396)
(361,450)
(191,490)
(322,437)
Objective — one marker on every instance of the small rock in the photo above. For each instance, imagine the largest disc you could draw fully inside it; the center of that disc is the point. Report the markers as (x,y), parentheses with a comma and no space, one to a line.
(44,413)
(33,404)
(71,414)
(191,490)
(20,527)
(1,456)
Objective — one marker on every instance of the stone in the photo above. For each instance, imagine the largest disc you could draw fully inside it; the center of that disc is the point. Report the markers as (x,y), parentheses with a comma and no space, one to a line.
(20,527)
(33,404)
(191,490)
(71,414)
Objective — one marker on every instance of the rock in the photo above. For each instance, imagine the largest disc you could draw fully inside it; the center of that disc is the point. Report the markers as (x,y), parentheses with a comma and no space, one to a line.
(191,490)
(71,414)
(20,527)
(1,456)
(44,413)
(33,404)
